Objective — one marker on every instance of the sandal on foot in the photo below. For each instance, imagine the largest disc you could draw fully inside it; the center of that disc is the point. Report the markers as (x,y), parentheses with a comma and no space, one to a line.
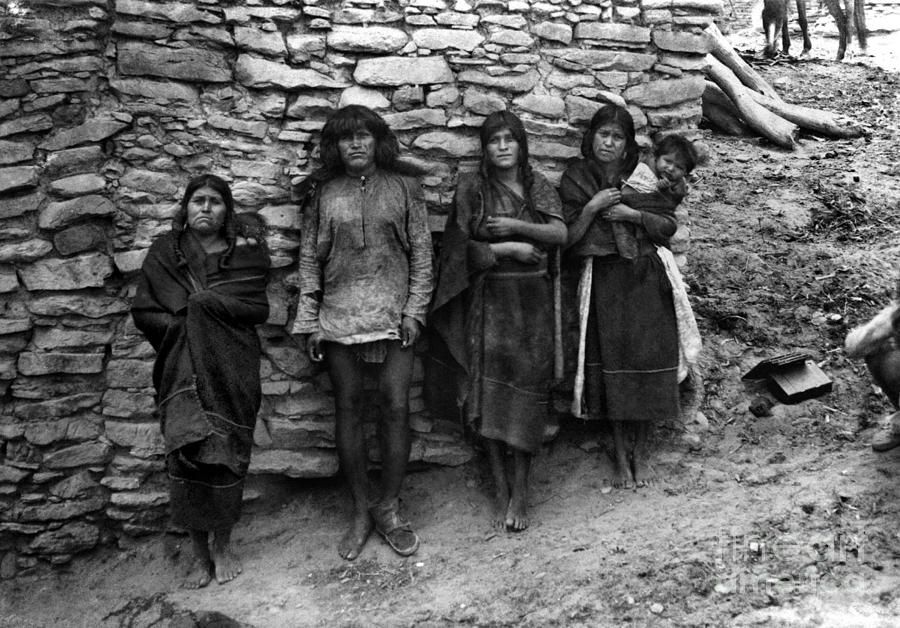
(395,531)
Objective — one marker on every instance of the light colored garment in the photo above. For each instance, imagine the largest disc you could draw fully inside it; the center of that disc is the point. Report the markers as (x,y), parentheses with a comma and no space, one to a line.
(689,342)
(584,307)
(365,259)
(643,179)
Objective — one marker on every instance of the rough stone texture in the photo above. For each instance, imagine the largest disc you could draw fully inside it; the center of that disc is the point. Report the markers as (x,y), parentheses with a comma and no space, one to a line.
(402,71)
(108,108)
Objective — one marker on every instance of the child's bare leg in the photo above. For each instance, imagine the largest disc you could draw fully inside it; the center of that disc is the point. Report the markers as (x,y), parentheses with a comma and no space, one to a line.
(623,477)
(226,562)
(644,473)
(198,573)
(517,514)
(501,484)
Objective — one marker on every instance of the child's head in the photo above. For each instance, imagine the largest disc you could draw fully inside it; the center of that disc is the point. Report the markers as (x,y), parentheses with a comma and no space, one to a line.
(675,157)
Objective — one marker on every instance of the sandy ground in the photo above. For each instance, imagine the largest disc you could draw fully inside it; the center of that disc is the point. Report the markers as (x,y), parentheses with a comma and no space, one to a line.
(785,520)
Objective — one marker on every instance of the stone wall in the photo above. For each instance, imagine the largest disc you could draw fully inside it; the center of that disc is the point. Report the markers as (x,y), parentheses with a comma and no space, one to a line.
(107,107)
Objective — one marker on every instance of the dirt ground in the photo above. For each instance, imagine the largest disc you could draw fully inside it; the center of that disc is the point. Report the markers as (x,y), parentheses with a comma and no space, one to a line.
(785,520)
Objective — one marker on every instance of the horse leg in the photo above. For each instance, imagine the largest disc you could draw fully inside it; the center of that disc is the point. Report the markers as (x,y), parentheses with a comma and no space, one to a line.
(861,32)
(834,7)
(785,37)
(770,18)
(804,25)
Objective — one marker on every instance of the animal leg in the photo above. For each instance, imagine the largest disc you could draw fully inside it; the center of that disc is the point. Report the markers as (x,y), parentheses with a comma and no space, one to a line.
(804,25)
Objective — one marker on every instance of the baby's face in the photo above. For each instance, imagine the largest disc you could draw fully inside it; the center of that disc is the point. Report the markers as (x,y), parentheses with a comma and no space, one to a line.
(670,167)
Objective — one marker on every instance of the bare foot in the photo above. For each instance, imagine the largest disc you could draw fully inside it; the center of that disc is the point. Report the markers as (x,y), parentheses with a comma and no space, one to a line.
(355,538)
(644,473)
(227,564)
(623,477)
(198,574)
(500,508)
(517,514)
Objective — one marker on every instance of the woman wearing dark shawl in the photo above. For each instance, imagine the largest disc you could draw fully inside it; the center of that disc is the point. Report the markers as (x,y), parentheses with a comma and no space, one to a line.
(201,293)
(494,305)
(628,353)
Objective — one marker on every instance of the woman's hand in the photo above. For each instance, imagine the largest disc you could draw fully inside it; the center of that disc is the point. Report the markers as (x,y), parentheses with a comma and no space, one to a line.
(621,213)
(409,331)
(603,199)
(314,347)
(502,226)
(525,252)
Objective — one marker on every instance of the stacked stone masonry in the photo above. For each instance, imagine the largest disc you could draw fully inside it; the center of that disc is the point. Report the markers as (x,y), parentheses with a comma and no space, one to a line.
(108,107)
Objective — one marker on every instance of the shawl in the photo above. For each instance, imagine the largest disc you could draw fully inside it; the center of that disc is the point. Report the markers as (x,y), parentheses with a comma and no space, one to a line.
(199,313)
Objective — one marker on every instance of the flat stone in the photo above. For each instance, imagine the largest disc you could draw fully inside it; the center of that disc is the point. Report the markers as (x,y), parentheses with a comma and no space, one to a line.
(77,304)
(416,119)
(551,31)
(61,163)
(9,280)
(665,92)
(190,64)
(127,404)
(508,37)
(84,454)
(26,124)
(259,73)
(12,475)
(72,273)
(446,38)
(129,373)
(71,538)
(59,407)
(26,251)
(80,238)
(442,97)
(253,128)
(610,32)
(17,206)
(307,463)
(81,484)
(137,500)
(55,337)
(255,40)
(450,143)
(90,131)
(12,325)
(18,177)
(703,6)
(121,483)
(61,86)
(178,12)
(554,150)
(447,454)
(304,404)
(294,434)
(364,16)
(577,59)
(677,41)
(367,39)
(515,83)
(13,88)
(403,71)
(161,91)
(685,116)
(78,185)
(15,152)
(368,97)
(160,183)
(457,19)
(41,363)
(243,14)
(141,30)
(281,216)
(305,46)
(544,105)
(482,103)
(514,22)
(129,261)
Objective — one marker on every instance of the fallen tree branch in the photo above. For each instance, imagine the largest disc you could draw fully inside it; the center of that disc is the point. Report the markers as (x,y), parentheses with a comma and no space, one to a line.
(768,124)
(724,52)
(816,120)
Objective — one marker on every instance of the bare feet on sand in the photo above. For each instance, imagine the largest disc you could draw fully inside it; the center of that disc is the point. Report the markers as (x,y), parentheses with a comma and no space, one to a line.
(353,541)
(622,476)
(517,514)
(500,507)
(227,564)
(644,473)
(198,573)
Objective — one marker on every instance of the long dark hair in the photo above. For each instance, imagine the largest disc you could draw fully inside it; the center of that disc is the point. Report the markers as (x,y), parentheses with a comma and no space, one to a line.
(344,123)
(498,121)
(230,226)
(613,114)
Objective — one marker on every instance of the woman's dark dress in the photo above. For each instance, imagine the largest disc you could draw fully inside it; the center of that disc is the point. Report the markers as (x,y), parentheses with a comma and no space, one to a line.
(632,336)
(200,316)
(496,316)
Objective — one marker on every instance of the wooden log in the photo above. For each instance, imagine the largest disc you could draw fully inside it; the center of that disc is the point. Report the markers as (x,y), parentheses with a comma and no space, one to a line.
(712,93)
(723,51)
(724,120)
(816,120)
(768,124)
